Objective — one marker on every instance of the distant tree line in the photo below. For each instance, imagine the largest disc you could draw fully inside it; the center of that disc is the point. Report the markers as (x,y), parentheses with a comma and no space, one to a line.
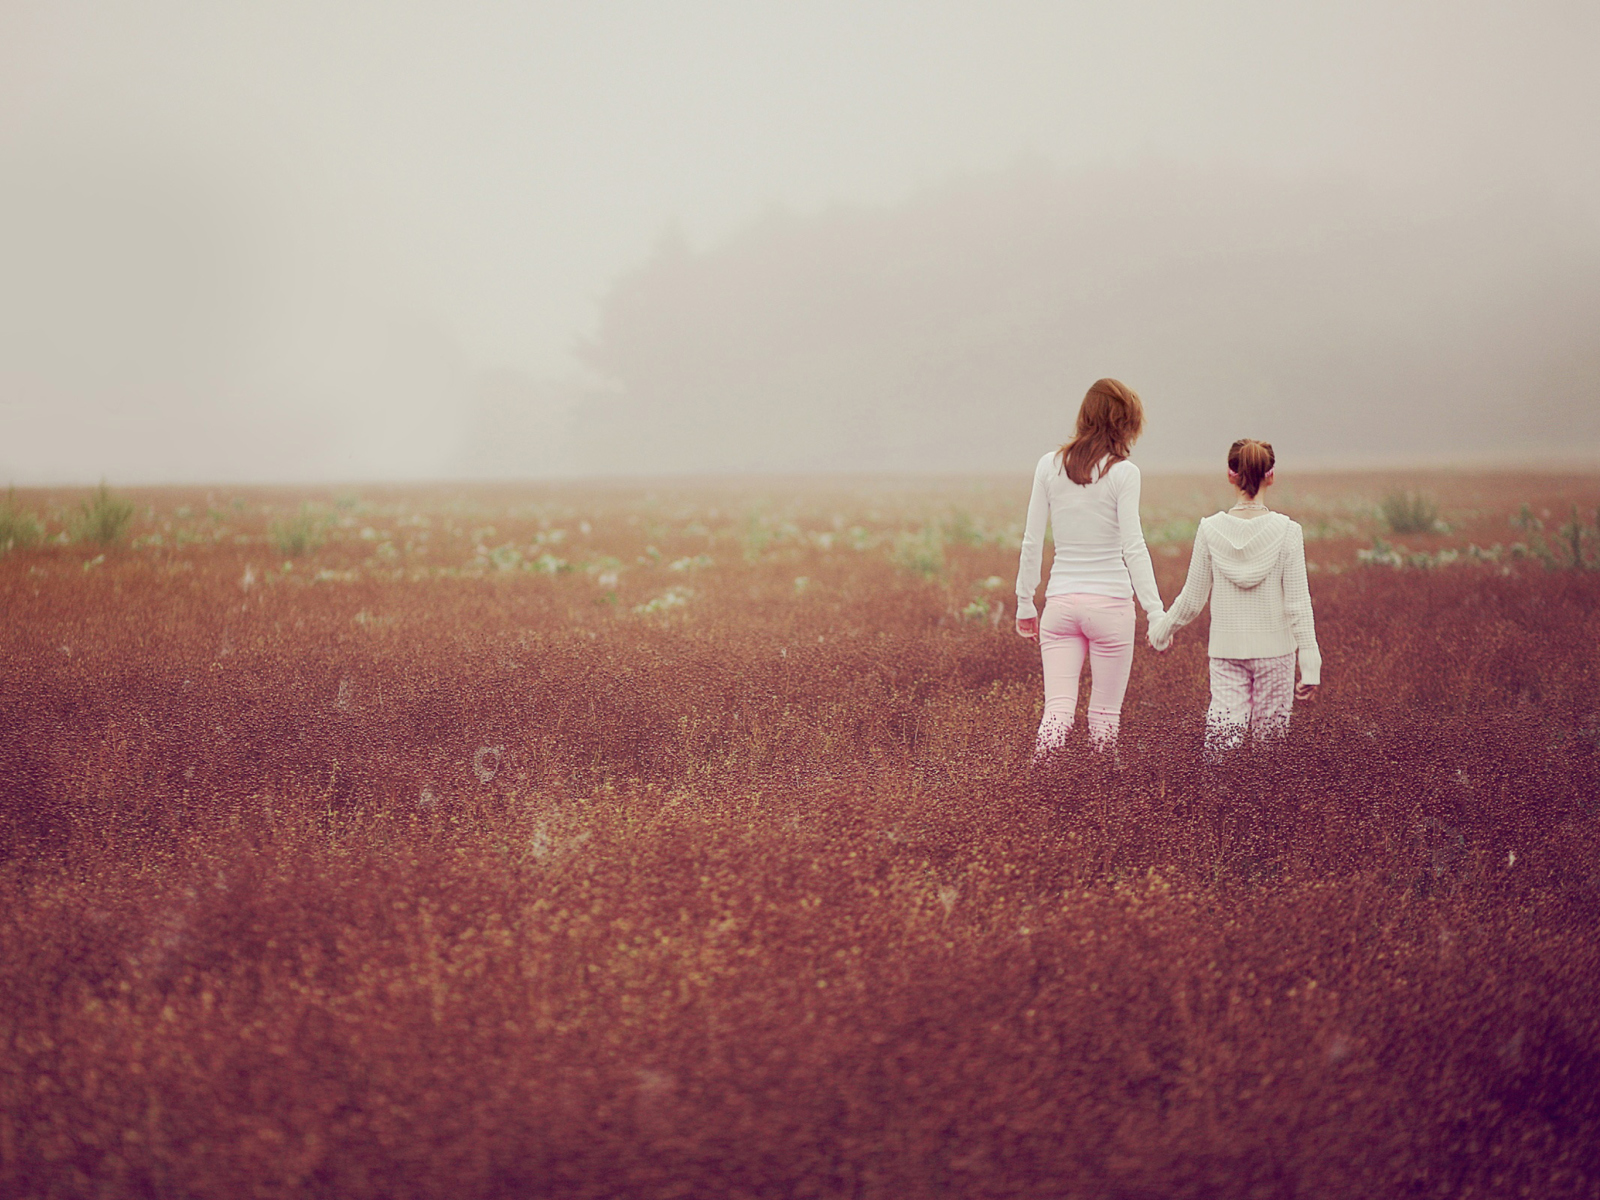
(957,330)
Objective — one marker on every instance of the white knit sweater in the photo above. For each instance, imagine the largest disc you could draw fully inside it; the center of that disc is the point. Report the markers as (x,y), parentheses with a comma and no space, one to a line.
(1254,572)
(1099,545)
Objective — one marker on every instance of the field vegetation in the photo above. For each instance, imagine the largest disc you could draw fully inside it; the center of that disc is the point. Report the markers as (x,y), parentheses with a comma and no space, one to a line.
(1409,512)
(680,841)
(102,518)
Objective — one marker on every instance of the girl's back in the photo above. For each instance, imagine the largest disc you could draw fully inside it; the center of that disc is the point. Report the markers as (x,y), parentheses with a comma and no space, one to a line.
(1087,512)
(1249,560)
(1094,538)
(1253,572)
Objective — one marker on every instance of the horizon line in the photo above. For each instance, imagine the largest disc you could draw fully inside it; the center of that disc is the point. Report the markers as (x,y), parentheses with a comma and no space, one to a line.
(1583,464)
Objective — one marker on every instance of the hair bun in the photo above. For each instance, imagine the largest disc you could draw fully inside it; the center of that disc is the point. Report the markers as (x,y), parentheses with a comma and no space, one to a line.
(1250,465)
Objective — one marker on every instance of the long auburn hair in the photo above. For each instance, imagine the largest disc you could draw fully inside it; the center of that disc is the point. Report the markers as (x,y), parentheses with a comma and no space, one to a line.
(1109,422)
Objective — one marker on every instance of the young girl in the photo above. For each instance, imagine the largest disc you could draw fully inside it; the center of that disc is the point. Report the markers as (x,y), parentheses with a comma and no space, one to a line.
(1251,562)
(1089,492)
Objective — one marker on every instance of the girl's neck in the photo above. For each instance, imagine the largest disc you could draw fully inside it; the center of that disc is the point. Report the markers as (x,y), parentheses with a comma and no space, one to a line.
(1248,506)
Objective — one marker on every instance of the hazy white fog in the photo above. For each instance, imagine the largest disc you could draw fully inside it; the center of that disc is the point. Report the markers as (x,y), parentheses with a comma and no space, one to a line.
(359,240)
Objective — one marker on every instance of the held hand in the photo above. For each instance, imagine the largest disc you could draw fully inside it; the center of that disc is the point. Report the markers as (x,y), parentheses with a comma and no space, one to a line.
(1028,627)
(1305,692)
(1156,634)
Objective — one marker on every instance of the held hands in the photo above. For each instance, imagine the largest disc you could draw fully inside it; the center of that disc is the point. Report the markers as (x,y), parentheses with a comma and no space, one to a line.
(1159,633)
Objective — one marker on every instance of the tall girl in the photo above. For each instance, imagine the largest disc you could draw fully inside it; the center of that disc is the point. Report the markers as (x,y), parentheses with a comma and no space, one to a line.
(1089,492)
(1251,562)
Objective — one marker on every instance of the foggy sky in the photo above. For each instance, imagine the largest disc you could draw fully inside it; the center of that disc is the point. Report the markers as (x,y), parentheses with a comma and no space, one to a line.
(957,330)
(361,240)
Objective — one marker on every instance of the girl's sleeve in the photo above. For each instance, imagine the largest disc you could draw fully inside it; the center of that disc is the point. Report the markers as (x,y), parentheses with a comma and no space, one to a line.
(1297,605)
(1135,554)
(1033,541)
(1196,590)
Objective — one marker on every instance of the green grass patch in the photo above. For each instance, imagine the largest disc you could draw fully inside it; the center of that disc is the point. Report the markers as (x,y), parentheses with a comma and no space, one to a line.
(1409,512)
(103,518)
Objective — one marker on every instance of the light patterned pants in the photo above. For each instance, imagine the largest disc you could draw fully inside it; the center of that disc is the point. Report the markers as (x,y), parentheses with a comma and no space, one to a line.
(1255,694)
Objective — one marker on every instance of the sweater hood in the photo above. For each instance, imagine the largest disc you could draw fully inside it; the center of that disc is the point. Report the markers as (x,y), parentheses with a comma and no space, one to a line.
(1244,551)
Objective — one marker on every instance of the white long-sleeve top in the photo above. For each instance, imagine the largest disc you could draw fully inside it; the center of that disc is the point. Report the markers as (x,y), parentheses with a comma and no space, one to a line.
(1099,545)
(1254,572)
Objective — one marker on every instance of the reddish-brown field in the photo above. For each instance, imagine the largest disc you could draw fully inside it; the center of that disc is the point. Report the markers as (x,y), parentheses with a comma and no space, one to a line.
(680,842)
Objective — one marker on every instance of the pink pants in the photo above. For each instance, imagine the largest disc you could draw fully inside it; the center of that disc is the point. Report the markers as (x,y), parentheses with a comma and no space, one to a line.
(1072,628)
(1248,693)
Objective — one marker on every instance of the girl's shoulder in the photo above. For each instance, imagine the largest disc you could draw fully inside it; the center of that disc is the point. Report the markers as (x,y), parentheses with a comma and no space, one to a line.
(1123,468)
(1222,516)
(1206,528)
(1214,526)
(1116,478)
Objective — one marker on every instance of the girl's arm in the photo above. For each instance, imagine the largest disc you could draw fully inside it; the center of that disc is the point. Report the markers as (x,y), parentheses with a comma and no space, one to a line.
(1297,606)
(1033,541)
(1196,590)
(1135,554)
